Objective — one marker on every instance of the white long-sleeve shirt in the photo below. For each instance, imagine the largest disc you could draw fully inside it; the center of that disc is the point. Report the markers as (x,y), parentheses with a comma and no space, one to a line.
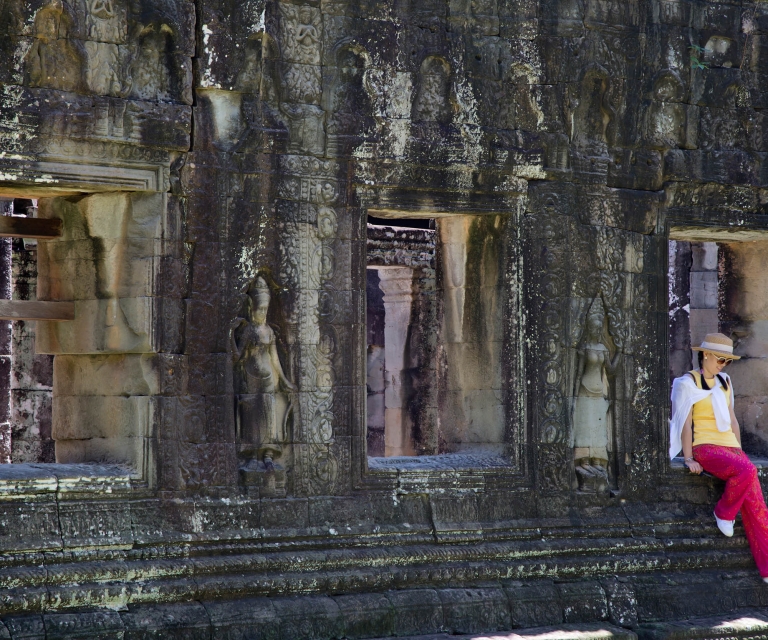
(685,394)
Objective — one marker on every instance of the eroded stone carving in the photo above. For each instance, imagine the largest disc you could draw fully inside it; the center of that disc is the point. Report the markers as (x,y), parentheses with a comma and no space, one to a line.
(150,72)
(593,402)
(55,61)
(666,112)
(303,83)
(348,102)
(264,402)
(257,74)
(106,21)
(432,102)
(103,69)
(593,120)
(306,127)
(115,246)
(302,33)
(553,289)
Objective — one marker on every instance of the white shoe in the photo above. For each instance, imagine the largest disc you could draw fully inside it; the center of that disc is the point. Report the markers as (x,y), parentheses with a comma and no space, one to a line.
(725,526)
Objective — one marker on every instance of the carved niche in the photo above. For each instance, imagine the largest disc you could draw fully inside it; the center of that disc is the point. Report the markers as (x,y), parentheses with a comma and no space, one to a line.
(265,396)
(150,71)
(432,102)
(258,82)
(348,102)
(666,114)
(592,112)
(103,69)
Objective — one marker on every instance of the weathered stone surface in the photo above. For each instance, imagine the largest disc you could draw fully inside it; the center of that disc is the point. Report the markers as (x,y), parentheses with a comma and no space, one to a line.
(175,621)
(199,152)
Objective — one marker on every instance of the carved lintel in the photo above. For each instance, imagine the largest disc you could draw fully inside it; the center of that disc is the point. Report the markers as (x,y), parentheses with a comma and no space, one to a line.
(41,179)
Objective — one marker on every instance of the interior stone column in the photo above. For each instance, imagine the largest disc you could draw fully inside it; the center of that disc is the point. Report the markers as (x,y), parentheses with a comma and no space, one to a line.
(397,285)
(743,285)
(703,293)
(375,365)
(679,308)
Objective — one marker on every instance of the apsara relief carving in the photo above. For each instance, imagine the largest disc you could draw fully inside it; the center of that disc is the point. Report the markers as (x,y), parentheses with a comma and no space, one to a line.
(593,432)
(265,396)
(55,61)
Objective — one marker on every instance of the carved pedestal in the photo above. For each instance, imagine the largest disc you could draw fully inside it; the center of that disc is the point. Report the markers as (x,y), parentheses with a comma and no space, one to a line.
(265,478)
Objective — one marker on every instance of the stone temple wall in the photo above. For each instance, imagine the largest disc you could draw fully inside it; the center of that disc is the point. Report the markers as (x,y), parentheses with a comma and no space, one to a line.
(213,165)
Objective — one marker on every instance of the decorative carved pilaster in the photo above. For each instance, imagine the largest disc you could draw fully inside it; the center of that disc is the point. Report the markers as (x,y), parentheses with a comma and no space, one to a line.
(547,240)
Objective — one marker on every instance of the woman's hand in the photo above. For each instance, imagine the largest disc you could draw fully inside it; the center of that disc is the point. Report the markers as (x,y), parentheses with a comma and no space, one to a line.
(694,467)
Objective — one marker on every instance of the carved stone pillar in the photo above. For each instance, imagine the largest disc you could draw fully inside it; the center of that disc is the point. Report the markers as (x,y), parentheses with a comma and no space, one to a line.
(397,285)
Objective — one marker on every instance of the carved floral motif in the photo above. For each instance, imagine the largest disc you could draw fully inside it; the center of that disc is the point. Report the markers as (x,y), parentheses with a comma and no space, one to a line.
(307,263)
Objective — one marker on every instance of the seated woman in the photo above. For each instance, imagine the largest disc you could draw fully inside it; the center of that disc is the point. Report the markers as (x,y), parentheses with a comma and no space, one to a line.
(704,425)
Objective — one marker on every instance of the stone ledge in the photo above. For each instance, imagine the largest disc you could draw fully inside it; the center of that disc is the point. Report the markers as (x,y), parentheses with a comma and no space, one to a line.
(760,463)
(445,462)
(411,614)
(20,481)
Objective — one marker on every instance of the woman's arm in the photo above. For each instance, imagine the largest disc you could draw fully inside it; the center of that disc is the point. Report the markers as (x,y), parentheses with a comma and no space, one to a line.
(687,437)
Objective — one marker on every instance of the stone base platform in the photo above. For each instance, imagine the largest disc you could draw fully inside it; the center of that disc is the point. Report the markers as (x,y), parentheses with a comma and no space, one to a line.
(561,632)
(418,614)
(752,625)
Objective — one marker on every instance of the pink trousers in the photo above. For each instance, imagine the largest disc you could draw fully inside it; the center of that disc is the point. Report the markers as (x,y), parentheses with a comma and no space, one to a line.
(742,492)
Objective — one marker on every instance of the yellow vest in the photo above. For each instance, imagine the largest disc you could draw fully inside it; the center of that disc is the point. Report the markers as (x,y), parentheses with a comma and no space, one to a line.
(704,424)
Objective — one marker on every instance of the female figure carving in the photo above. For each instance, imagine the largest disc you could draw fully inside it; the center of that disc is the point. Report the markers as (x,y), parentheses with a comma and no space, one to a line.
(259,378)
(593,403)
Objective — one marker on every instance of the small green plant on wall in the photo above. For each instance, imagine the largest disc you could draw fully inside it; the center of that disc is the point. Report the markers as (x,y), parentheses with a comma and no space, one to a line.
(697,53)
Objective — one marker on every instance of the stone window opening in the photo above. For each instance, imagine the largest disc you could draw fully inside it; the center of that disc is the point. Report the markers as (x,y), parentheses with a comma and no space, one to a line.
(97,253)
(717,282)
(436,330)
(400,316)
(26,378)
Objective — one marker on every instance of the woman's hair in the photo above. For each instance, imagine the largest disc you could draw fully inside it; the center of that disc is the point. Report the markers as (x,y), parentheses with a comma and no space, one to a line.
(701,359)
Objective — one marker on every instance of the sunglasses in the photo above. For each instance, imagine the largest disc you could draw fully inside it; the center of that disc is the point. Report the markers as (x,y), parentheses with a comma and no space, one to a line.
(724,361)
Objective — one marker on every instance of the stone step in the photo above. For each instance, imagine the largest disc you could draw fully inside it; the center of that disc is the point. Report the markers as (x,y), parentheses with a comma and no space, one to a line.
(745,625)
(596,631)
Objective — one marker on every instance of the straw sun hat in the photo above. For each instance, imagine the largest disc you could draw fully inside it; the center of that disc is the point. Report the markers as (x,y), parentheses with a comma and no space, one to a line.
(718,344)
